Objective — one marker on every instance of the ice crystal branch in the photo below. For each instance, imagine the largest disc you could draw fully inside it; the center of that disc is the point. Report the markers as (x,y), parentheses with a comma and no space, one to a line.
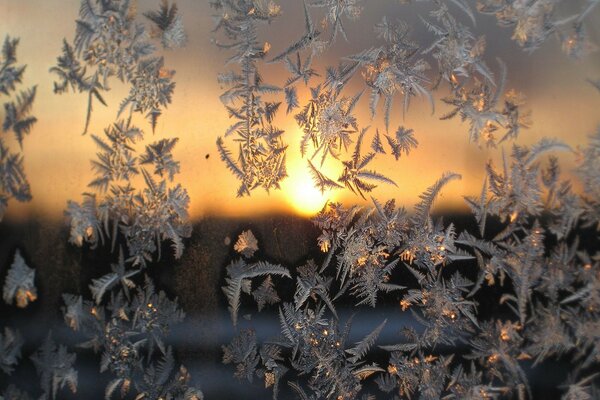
(17,119)
(457,51)
(336,10)
(329,126)
(533,22)
(168,25)
(261,156)
(246,244)
(239,275)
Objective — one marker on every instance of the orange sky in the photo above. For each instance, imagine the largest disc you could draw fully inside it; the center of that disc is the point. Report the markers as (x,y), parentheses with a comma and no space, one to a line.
(57,155)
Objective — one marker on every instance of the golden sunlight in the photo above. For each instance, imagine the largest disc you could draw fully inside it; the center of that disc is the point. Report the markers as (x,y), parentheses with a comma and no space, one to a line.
(300,191)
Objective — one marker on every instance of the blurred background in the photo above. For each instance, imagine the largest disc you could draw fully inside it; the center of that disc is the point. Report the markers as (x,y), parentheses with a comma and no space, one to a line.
(57,162)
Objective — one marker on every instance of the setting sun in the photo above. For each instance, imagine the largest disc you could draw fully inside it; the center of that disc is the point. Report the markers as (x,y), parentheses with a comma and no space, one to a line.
(300,190)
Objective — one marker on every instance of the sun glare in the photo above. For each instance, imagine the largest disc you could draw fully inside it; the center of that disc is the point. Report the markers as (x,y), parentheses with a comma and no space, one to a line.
(300,190)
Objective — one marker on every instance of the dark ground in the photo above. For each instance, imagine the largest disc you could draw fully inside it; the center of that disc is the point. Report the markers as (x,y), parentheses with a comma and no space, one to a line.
(196,280)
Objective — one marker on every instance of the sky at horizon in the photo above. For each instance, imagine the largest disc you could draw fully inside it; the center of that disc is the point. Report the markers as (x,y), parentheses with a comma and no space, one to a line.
(57,156)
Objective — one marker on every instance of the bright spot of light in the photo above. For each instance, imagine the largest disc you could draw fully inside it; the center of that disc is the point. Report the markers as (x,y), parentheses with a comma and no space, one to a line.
(300,190)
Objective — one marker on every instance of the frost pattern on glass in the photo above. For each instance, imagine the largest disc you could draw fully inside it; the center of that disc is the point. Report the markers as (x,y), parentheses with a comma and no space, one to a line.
(17,119)
(109,42)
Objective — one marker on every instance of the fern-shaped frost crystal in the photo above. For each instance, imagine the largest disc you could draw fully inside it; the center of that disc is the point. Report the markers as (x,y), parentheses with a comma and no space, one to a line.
(54,365)
(261,154)
(16,118)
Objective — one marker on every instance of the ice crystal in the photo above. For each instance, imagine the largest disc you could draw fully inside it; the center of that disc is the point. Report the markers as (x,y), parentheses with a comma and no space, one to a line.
(395,67)
(327,122)
(16,119)
(155,213)
(456,50)
(10,350)
(85,225)
(265,294)
(534,21)
(403,141)
(54,365)
(246,244)
(516,192)
(153,314)
(261,158)
(161,381)
(309,40)
(19,285)
(243,352)
(239,275)
(299,70)
(479,105)
(159,154)
(119,274)
(72,74)
(151,89)
(335,10)
(168,25)
(355,175)
(127,331)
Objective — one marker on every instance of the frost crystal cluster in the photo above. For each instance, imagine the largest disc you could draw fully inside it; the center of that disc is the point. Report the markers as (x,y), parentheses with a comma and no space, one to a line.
(127,324)
(399,67)
(110,42)
(527,253)
(142,217)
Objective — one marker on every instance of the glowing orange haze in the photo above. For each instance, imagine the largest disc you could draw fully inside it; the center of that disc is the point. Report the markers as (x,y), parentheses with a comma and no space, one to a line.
(57,156)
